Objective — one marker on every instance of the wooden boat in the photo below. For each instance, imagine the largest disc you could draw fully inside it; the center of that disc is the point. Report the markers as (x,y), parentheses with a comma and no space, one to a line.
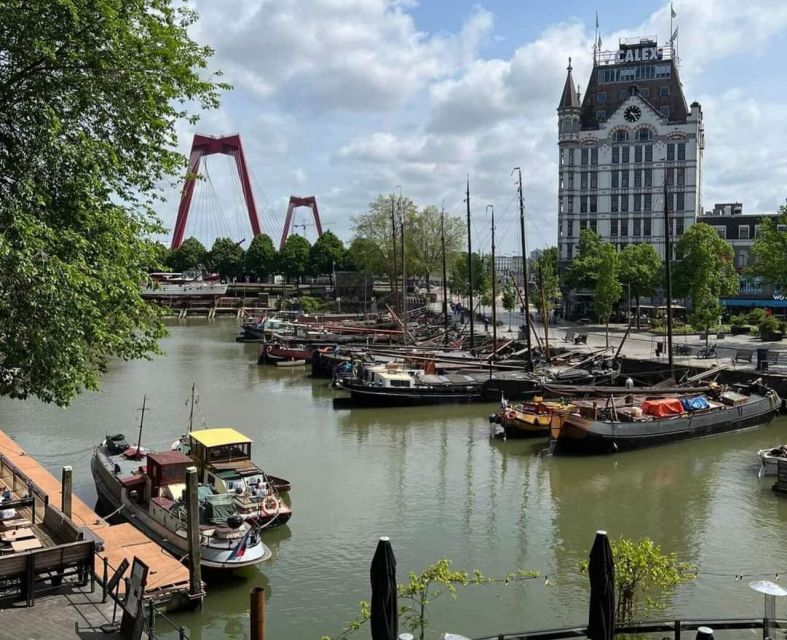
(390,385)
(605,424)
(275,352)
(291,363)
(148,488)
(769,459)
(528,419)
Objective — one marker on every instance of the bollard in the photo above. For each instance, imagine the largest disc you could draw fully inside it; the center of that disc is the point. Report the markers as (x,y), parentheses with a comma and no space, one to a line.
(182,633)
(104,581)
(65,495)
(704,633)
(192,528)
(257,613)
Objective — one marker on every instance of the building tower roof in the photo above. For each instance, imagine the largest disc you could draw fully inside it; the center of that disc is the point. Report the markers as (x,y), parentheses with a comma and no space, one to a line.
(569,99)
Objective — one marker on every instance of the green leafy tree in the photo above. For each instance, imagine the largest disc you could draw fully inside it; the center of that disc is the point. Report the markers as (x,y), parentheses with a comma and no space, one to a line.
(547,285)
(704,272)
(189,255)
(640,270)
(363,255)
(482,276)
(770,252)
(294,257)
(425,241)
(509,300)
(326,253)
(159,256)
(226,257)
(261,257)
(583,271)
(90,92)
(608,289)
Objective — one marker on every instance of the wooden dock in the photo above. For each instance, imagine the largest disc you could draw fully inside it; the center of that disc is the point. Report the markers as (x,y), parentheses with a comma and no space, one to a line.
(168,579)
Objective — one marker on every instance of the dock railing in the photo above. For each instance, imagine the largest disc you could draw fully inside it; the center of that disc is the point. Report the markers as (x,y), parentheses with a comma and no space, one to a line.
(18,481)
(674,627)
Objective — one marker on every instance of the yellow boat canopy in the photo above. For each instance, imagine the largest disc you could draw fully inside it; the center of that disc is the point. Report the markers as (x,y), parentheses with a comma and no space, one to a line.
(219,437)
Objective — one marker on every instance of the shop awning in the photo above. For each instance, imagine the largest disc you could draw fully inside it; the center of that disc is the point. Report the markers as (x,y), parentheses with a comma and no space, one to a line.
(752,302)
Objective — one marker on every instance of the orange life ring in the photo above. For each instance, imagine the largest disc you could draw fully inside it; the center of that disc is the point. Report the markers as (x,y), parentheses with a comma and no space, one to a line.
(510,415)
(269,506)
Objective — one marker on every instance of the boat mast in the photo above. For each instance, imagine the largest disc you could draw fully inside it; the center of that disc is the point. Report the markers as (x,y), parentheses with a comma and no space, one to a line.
(445,285)
(191,410)
(470,265)
(393,239)
(525,276)
(404,271)
(141,421)
(494,284)
(668,272)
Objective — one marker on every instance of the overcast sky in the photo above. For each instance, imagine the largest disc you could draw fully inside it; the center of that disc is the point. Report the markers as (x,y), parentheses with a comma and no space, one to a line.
(348,99)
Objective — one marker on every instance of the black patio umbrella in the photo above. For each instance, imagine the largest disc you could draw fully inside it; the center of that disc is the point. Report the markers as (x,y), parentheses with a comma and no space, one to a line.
(385,617)
(601,571)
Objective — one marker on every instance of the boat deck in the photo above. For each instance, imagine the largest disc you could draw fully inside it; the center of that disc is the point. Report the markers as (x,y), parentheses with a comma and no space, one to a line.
(168,579)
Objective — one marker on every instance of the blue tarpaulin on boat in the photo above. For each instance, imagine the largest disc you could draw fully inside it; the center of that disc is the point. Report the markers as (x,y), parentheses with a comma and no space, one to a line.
(695,403)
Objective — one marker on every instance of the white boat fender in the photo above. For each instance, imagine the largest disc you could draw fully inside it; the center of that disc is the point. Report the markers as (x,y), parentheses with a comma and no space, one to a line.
(615,448)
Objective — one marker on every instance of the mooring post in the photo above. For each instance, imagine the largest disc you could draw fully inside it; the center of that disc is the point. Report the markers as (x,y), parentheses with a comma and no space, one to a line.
(192,514)
(257,613)
(65,499)
(104,581)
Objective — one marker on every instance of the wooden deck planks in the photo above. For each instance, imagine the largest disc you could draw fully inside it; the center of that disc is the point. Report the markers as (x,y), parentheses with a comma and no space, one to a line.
(120,541)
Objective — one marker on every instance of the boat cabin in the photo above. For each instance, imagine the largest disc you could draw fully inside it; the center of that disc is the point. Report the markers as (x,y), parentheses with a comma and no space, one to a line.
(166,481)
(223,457)
(386,379)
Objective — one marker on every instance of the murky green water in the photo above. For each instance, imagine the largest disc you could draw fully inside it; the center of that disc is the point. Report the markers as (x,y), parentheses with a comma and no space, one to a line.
(431,480)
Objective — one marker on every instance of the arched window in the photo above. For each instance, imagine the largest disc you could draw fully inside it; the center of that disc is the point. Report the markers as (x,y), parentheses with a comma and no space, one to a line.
(620,135)
(644,134)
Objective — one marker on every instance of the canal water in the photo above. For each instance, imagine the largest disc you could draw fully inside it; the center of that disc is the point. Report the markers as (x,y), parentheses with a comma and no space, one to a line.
(431,480)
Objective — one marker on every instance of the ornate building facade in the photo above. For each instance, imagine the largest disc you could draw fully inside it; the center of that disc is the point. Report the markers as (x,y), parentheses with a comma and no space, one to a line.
(631,132)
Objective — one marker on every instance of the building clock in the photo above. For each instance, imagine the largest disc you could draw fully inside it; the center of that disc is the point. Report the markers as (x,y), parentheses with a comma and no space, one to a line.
(632,113)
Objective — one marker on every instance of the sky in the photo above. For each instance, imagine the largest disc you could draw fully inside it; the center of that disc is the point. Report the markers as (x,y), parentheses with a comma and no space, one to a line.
(349,99)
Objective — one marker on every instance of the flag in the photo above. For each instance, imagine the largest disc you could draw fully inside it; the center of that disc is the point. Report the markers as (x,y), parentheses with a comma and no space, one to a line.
(672,11)
(596,20)
(675,34)
(239,551)
(599,41)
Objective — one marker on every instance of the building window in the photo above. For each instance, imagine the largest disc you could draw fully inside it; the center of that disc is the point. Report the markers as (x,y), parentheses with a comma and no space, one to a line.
(681,177)
(570,179)
(624,227)
(571,157)
(742,258)
(681,151)
(624,179)
(643,133)
(637,224)
(583,182)
(638,153)
(646,202)
(637,202)
(624,155)
(664,110)
(593,226)
(621,135)
(570,201)
(601,116)
(584,153)
(781,228)
(758,229)
(569,251)
(637,177)
(670,152)
(594,155)
(624,202)
(648,177)
(680,204)
(613,227)
(560,204)
(679,226)
(743,232)
(583,204)
(613,204)
(646,227)
(648,153)
(615,155)
(593,204)
(722,231)
(594,180)
(601,97)
(664,91)
(663,70)
(669,176)
(615,179)
(623,94)
(561,181)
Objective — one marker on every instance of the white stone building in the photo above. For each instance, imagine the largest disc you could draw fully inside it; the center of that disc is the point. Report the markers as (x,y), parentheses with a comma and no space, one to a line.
(631,131)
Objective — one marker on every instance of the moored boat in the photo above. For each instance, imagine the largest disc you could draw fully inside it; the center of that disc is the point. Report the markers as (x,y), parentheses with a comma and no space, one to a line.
(609,424)
(527,419)
(769,459)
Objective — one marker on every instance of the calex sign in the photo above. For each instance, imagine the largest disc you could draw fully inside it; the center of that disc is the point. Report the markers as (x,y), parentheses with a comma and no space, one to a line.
(642,54)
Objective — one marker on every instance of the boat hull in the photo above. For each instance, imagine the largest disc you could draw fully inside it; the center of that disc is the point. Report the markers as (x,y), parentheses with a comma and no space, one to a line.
(214,555)
(392,397)
(584,436)
(770,462)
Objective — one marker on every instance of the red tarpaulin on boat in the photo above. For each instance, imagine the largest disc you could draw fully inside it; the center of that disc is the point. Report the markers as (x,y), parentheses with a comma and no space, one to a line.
(661,407)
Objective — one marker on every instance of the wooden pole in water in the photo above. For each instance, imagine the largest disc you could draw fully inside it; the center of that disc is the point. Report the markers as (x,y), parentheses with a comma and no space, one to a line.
(192,531)
(66,487)
(257,613)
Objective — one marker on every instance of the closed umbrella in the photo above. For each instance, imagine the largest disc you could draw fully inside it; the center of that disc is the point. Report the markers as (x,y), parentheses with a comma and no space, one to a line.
(601,571)
(385,617)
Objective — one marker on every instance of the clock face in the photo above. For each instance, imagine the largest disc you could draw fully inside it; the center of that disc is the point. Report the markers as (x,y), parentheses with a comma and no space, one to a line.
(633,113)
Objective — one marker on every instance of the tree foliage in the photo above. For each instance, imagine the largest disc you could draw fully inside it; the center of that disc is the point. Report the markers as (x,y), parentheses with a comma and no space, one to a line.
(90,91)
(770,251)
(640,271)
(261,257)
(482,275)
(363,255)
(226,258)
(188,255)
(326,254)
(704,272)
(294,257)
(583,272)
(508,299)
(608,289)
(547,284)
(425,241)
